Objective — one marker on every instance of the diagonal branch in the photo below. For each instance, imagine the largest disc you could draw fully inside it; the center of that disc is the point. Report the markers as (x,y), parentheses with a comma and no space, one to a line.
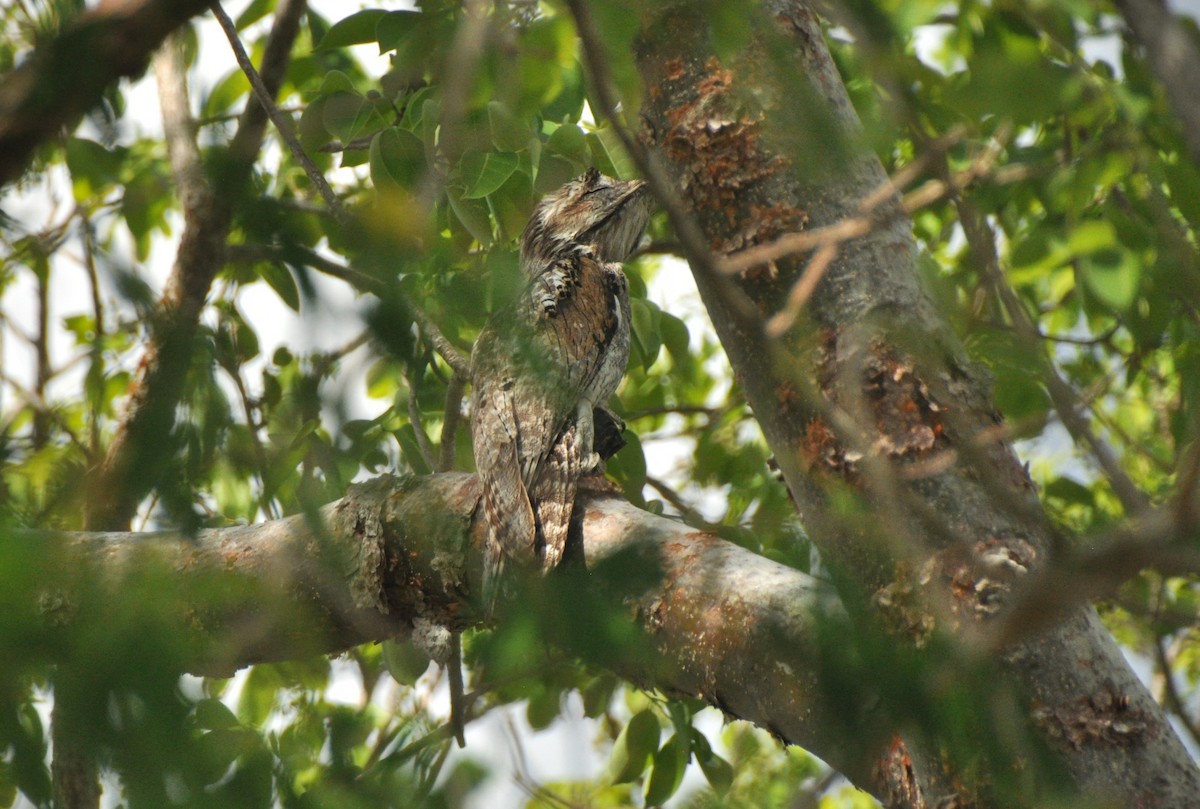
(64,78)
(135,455)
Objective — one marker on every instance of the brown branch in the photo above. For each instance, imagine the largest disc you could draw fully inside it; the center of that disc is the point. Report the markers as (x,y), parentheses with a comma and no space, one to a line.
(451,417)
(414,418)
(136,452)
(1174,58)
(66,76)
(380,557)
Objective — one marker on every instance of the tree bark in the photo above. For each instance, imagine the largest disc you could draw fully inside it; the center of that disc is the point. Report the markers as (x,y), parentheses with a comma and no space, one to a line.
(719,622)
(869,396)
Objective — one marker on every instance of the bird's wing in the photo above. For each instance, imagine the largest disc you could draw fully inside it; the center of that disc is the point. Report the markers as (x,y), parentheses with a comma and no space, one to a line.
(553,495)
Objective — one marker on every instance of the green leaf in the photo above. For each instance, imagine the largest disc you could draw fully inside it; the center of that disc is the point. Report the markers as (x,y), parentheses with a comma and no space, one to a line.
(717,770)
(404,661)
(647,339)
(1114,276)
(353,30)
(597,695)
(280,279)
(472,215)
(226,92)
(212,714)
(484,172)
(628,468)
(676,338)
(569,141)
(544,708)
(609,155)
(393,27)
(508,133)
(253,13)
(336,81)
(667,771)
(635,744)
(397,159)
(93,168)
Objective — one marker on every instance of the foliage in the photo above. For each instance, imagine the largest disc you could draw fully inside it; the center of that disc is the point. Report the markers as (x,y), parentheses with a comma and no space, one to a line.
(439,150)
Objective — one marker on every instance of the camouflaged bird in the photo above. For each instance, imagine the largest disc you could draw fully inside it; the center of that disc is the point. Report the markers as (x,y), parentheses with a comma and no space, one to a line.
(542,365)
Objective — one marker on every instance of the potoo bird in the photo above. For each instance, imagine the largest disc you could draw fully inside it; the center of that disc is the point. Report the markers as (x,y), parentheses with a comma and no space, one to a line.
(542,365)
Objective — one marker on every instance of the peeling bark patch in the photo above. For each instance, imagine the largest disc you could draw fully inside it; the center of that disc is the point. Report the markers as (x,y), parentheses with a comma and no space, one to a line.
(902,608)
(367,585)
(982,583)
(721,157)
(895,771)
(907,418)
(908,421)
(1104,718)
(820,449)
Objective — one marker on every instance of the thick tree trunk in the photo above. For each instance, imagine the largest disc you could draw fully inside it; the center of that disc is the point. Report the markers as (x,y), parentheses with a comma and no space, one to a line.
(869,395)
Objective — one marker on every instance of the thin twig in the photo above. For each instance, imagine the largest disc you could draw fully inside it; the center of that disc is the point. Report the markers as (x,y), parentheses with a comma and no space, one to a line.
(267,503)
(873,212)
(689,514)
(982,242)
(414,418)
(1171,698)
(451,417)
(360,280)
(282,123)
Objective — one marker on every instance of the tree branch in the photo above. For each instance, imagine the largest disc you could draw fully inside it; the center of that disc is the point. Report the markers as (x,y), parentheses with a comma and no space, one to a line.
(722,622)
(830,395)
(64,78)
(1173,57)
(129,468)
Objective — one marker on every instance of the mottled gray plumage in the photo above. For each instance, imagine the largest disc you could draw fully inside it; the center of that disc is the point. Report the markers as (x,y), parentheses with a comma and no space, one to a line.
(542,364)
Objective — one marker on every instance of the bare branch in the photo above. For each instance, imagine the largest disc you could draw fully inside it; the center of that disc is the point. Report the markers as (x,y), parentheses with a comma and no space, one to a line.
(414,418)
(451,417)
(377,558)
(982,241)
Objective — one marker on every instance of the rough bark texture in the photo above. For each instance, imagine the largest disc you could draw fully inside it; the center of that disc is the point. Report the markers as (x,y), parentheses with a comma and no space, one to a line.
(725,624)
(870,393)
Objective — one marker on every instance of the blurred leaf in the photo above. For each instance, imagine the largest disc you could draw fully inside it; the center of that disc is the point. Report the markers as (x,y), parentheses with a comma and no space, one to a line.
(404,661)
(397,159)
(353,30)
(666,773)
(634,746)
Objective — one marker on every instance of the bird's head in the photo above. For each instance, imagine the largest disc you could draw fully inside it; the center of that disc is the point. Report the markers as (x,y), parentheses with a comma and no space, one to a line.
(593,211)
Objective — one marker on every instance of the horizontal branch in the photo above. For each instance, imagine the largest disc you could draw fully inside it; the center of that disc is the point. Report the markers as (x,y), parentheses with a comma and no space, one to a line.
(725,624)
